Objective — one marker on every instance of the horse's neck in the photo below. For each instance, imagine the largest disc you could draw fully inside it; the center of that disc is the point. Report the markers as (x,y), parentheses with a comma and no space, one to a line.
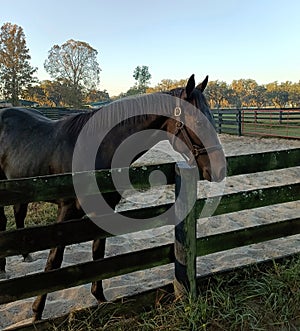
(131,141)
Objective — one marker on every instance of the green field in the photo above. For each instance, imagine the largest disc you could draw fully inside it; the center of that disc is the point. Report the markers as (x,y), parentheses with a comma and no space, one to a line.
(271,129)
(262,123)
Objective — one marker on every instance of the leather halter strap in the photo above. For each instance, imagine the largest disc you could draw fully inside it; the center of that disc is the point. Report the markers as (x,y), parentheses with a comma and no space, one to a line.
(195,150)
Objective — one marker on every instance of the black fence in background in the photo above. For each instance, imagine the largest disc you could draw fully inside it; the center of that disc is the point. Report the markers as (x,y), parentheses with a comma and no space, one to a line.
(59,112)
(274,122)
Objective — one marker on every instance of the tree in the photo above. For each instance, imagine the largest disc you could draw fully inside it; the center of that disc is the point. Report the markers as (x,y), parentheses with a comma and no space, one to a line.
(95,95)
(36,94)
(244,89)
(166,85)
(54,92)
(74,62)
(16,73)
(142,76)
(217,92)
(293,90)
(259,97)
(277,94)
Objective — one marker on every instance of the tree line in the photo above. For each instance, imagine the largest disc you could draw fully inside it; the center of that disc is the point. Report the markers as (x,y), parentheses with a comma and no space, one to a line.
(75,78)
(243,93)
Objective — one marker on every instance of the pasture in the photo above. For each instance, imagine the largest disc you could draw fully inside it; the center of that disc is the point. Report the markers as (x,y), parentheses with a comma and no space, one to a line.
(271,122)
(130,284)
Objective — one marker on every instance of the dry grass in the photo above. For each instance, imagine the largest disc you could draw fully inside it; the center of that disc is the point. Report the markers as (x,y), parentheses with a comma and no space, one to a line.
(39,213)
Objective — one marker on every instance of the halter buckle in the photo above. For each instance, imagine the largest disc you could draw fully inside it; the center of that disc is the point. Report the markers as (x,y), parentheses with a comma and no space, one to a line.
(177,111)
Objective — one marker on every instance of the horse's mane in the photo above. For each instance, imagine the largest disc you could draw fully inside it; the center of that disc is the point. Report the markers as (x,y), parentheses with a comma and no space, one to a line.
(134,109)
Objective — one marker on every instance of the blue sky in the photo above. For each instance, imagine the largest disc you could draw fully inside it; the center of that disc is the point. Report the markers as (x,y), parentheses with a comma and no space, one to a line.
(226,39)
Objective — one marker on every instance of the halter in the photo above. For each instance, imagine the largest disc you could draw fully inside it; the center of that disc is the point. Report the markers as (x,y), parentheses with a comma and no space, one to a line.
(195,150)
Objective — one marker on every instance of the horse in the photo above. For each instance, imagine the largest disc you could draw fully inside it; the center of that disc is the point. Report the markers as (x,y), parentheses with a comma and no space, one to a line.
(20,210)
(33,145)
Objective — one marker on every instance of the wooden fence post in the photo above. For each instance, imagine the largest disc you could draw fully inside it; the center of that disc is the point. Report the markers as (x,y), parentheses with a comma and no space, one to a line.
(185,230)
(220,121)
(239,120)
(280,116)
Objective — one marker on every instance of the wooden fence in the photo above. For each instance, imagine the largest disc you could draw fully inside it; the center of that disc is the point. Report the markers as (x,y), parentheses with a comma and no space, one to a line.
(263,122)
(183,252)
(56,113)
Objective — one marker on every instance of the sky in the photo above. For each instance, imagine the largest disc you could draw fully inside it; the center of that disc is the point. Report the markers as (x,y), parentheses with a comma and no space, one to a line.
(225,39)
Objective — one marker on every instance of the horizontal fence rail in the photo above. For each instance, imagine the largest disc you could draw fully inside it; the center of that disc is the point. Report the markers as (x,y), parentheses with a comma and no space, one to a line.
(228,121)
(75,231)
(56,113)
(72,232)
(52,187)
(83,273)
(263,122)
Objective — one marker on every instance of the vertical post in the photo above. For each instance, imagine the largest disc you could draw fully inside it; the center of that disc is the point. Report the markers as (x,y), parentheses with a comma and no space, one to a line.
(220,121)
(255,116)
(280,116)
(185,230)
(239,120)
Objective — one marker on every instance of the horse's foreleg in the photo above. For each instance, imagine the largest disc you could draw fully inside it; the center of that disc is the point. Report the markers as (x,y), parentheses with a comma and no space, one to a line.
(112,199)
(3,222)
(54,261)
(98,253)
(20,212)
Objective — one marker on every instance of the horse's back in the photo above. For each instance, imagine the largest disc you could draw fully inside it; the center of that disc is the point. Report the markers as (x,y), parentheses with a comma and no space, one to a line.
(24,124)
(22,116)
(26,142)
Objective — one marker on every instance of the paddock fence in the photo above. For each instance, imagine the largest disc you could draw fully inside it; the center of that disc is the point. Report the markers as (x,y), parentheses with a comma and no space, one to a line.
(269,122)
(272,122)
(182,252)
(56,113)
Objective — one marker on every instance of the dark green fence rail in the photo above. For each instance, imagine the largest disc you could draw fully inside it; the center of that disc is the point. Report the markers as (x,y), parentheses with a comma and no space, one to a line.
(75,231)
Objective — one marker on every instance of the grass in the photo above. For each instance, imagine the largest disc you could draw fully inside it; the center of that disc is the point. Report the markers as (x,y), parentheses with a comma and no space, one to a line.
(39,213)
(272,129)
(265,124)
(268,300)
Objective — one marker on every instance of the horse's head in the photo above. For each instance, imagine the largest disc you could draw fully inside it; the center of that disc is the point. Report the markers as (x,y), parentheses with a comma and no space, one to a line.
(192,131)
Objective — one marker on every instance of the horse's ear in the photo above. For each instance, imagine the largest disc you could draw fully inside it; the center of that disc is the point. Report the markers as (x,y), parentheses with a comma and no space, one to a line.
(190,86)
(202,85)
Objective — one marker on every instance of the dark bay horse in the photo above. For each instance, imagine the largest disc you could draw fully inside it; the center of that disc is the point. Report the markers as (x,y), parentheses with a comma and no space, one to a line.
(32,145)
